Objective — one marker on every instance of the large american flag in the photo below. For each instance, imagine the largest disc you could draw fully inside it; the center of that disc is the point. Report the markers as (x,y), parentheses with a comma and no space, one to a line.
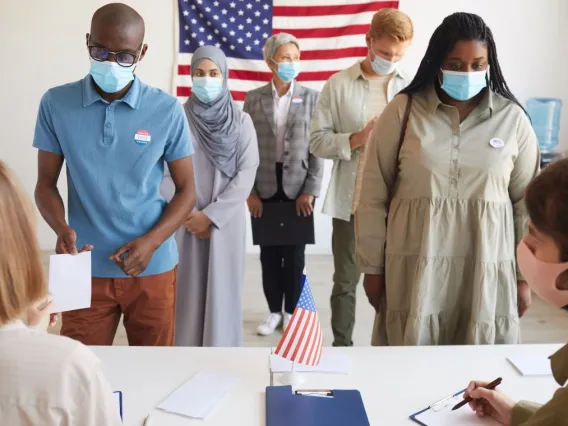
(331,35)
(302,341)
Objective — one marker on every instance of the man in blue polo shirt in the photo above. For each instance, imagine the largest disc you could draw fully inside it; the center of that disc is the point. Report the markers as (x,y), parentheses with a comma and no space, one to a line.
(114,132)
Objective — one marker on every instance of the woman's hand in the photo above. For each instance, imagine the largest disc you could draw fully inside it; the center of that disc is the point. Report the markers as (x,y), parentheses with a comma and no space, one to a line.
(254,204)
(305,205)
(39,315)
(491,403)
(524,297)
(197,223)
(374,286)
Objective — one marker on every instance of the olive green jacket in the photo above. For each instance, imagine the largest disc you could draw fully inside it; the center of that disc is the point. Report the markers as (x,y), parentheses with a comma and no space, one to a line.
(555,412)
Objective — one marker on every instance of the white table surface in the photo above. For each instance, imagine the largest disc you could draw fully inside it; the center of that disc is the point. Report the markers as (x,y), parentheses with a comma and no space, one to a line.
(394,382)
(146,376)
(399,381)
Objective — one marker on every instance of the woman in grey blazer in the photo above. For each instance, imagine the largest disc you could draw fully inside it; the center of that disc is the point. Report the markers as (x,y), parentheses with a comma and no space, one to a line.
(282,114)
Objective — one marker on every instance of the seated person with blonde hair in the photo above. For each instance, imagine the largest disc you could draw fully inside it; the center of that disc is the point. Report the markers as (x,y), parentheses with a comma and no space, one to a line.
(44,379)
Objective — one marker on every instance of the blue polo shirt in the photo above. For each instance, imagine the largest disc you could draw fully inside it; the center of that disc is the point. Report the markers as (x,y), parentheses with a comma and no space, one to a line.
(115,162)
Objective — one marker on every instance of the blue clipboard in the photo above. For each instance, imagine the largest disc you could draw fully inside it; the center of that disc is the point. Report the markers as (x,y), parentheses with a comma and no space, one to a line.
(118,395)
(433,406)
(334,408)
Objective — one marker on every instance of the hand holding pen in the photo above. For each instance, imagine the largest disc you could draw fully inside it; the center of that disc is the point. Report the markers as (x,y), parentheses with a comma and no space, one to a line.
(485,400)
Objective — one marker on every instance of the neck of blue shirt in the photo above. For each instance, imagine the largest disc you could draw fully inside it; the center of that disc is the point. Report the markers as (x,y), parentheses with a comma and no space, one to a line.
(111,97)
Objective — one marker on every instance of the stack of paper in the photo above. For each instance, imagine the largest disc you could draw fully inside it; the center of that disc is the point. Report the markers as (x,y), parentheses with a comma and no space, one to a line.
(531,365)
(70,281)
(199,396)
(332,362)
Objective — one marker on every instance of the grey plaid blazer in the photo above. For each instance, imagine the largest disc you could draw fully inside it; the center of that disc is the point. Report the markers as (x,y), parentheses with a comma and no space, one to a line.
(303,173)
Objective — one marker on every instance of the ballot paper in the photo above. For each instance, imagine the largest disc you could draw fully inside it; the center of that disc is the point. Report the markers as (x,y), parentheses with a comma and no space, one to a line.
(200,396)
(332,362)
(70,281)
(531,365)
(441,414)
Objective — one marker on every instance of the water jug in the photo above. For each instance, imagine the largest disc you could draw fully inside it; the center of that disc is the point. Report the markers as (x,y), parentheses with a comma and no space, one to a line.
(545,117)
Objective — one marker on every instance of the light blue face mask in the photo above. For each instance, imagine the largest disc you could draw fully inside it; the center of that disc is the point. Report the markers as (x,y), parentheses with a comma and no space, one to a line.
(462,86)
(207,89)
(110,76)
(288,71)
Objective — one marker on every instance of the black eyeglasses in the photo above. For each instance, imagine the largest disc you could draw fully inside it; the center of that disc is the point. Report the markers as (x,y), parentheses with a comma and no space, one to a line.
(101,54)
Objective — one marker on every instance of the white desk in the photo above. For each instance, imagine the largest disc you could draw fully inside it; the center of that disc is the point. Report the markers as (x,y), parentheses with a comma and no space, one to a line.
(396,382)
(148,375)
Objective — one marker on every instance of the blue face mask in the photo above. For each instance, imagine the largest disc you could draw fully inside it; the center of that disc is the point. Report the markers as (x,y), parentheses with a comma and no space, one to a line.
(207,89)
(462,86)
(110,76)
(288,71)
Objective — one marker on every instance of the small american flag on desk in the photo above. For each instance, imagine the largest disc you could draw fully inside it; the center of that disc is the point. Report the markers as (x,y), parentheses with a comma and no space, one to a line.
(302,341)
(331,35)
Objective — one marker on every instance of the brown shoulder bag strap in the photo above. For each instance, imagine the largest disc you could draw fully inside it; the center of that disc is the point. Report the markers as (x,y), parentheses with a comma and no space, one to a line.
(400,142)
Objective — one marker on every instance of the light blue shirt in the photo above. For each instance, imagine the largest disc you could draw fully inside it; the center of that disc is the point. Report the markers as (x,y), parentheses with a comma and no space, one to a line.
(115,157)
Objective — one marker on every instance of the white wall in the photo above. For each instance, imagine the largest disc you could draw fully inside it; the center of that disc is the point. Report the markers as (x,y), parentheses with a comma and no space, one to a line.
(42,44)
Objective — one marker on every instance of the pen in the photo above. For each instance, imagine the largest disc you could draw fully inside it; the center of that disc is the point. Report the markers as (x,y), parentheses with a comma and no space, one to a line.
(490,386)
(147,421)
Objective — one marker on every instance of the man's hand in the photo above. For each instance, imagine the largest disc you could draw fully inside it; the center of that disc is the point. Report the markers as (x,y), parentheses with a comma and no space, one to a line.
(138,254)
(374,288)
(360,138)
(197,223)
(490,403)
(255,205)
(305,205)
(66,242)
(524,297)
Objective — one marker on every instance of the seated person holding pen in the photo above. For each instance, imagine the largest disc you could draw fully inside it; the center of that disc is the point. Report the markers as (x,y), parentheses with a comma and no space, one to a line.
(543,260)
(44,379)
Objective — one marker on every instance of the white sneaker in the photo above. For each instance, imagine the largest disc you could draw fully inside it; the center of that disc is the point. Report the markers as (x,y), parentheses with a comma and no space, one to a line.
(269,325)
(286,321)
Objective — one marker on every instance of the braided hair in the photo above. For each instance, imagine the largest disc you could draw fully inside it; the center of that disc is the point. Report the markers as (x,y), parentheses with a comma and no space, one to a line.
(459,27)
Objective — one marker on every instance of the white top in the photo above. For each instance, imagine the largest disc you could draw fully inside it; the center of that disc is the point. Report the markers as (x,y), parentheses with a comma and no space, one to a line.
(281,108)
(51,380)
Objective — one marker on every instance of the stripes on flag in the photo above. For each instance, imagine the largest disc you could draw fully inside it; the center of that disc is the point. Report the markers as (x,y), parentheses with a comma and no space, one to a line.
(302,341)
(331,35)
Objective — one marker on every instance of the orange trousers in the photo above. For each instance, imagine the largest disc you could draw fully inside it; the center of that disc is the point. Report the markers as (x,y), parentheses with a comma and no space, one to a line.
(148,304)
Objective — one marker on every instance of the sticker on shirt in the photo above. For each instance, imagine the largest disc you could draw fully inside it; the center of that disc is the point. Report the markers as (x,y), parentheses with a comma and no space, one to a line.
(297,100)
(142,137)
(497,143)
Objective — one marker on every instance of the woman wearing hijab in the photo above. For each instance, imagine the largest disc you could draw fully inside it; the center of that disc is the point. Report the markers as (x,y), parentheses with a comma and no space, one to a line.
(212,242)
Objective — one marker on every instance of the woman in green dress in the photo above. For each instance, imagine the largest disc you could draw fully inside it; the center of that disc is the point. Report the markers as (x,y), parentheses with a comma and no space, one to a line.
(455,172)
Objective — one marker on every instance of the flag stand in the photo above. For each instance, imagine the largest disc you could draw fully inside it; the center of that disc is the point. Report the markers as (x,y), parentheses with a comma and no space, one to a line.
(292,378)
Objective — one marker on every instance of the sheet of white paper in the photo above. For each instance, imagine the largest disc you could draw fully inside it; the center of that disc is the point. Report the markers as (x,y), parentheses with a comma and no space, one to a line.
(442,415)
(331,363)
(531,365)
(200,395)
(70,281)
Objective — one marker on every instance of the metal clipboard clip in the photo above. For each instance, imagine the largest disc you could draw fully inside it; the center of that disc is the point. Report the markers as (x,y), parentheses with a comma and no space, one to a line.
(323,393)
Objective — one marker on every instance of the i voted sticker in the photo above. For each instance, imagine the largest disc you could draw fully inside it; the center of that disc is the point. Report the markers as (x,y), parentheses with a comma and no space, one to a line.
(142,137)
(497,143)
(297,100)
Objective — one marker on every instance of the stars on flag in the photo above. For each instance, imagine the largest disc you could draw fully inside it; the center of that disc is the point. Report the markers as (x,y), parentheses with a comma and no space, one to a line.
(227,24)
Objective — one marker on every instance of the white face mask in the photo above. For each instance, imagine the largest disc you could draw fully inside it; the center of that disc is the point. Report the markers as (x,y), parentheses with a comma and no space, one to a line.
(381,65)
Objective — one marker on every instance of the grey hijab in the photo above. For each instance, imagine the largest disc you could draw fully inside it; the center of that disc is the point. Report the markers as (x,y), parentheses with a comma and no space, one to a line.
(216,126)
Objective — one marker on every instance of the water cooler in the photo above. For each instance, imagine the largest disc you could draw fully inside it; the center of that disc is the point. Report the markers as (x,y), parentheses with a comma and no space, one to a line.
(545,117)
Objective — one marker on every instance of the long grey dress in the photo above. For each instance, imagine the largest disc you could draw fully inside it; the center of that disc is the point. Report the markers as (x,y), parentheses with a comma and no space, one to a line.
(211,273)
